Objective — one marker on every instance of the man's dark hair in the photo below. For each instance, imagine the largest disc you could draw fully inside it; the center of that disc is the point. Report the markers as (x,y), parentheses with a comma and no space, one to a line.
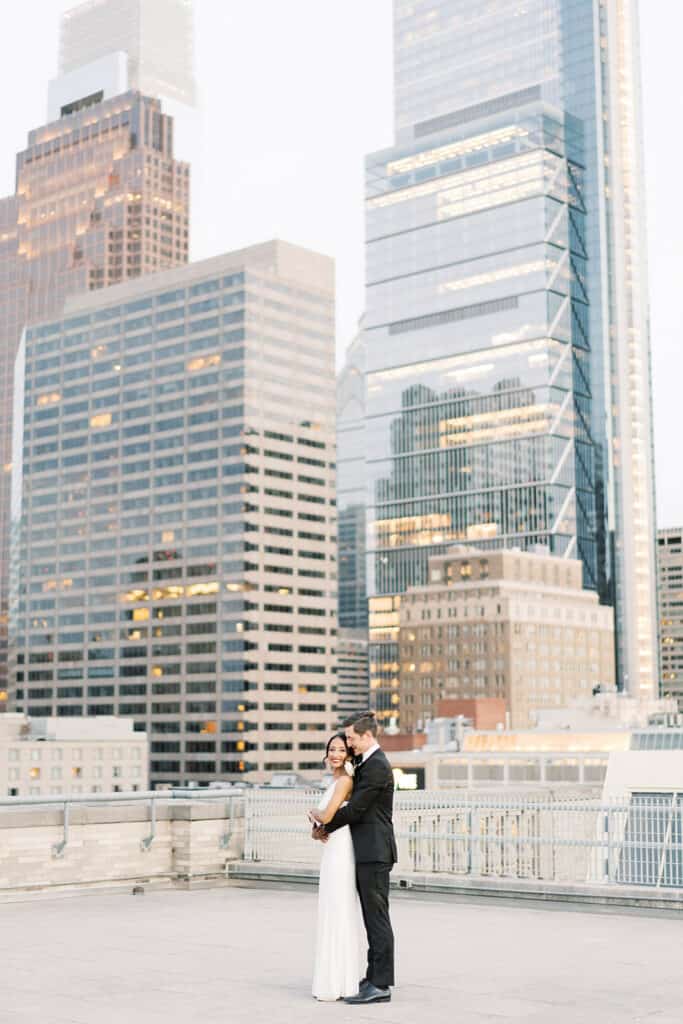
(364,722)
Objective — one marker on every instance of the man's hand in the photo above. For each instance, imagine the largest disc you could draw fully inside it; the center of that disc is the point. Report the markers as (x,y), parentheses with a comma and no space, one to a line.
(318,832)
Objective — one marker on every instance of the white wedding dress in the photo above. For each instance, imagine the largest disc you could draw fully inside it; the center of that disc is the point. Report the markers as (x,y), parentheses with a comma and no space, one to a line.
(339,960)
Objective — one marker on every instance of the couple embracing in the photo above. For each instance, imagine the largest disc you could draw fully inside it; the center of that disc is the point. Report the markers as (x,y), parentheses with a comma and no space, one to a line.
(354,822)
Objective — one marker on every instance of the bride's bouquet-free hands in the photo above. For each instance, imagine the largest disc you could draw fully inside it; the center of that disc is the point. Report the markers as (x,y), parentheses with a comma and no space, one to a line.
(318,831)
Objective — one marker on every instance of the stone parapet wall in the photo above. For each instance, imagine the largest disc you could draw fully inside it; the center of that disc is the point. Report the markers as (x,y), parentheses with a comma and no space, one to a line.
(105,843)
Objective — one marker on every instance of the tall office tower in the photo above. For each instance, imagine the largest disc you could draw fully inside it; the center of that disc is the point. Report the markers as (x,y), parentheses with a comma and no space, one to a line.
(157,37)
(351,484)
(670,593)
(147,46)
(508,382)
(352,642)
(175,513)
(99,198)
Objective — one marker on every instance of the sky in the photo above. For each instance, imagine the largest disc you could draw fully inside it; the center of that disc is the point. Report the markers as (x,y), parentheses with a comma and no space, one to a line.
(293,95)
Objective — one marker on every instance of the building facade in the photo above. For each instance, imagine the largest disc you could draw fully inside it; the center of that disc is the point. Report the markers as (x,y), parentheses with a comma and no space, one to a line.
(507,348)
(55,756)
(351,454)
(670,594)
(110,47)
(352,672)
(507,624)
(99,199)
(174,495)
(156,37)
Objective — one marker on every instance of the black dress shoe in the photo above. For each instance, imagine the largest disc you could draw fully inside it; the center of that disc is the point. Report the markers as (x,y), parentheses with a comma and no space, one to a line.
(369,993)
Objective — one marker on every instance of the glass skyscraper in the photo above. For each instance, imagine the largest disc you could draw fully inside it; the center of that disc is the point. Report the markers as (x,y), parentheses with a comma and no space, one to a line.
(352,645)
(147,46)
(507,349)
(351,453)
(157,37)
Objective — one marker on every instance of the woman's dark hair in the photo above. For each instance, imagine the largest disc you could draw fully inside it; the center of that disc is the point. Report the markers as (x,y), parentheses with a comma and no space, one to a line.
(337,736)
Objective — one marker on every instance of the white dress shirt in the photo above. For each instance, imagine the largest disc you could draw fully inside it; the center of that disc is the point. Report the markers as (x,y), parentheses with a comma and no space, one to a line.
(369,752)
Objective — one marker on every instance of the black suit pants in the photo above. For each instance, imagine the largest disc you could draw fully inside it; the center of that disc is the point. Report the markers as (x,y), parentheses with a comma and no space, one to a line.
(372,882)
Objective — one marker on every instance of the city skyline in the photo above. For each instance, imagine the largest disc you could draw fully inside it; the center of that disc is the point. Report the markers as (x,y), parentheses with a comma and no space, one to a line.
(330,507)
(287,172)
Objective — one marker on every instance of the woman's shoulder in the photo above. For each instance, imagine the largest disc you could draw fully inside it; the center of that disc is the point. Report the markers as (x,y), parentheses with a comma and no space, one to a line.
(344,783)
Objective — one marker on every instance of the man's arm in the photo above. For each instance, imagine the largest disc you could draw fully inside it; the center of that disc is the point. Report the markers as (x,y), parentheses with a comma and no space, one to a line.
(370,785)
(339,794)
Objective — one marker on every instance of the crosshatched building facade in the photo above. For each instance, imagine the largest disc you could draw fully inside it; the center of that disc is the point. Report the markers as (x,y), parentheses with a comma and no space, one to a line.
(174,513)
(507,349)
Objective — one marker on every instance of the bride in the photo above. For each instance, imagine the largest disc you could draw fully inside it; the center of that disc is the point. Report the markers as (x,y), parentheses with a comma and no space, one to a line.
(338,961)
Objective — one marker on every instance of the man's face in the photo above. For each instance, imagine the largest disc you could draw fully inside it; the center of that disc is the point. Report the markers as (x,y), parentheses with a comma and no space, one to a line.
(352,738)
(359,742)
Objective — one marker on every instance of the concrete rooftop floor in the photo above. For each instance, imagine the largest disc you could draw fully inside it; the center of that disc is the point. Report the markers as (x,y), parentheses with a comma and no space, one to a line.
(244,955)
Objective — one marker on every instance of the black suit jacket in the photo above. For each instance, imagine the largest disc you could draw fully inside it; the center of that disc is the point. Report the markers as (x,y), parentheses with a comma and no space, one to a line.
(369,812)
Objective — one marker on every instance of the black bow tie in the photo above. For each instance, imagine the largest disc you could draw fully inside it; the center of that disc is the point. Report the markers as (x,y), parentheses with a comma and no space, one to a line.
(358,761)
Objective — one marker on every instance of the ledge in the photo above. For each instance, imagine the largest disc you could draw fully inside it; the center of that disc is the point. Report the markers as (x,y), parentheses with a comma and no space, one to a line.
(645,897)
(94,814)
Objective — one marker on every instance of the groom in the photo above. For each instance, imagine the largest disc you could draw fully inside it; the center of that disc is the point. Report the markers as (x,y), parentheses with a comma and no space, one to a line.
(368,813)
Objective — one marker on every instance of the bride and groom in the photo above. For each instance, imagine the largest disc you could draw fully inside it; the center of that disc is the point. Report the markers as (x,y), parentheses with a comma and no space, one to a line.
(354,822)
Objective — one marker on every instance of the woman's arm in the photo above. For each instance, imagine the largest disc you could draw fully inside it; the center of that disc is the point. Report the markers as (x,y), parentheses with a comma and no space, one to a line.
(340,793)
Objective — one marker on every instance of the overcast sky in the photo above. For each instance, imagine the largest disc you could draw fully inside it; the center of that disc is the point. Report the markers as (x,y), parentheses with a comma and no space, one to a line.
(294,94)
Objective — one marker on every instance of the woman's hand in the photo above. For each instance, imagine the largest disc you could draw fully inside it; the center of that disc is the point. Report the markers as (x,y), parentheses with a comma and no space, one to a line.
(314,816)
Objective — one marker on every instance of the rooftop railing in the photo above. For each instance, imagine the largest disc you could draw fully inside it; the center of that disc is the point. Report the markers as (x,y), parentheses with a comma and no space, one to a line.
(635,841)
(542,840)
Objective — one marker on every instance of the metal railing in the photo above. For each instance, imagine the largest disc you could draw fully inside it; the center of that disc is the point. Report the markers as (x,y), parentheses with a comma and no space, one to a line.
(152,798)
(635,841)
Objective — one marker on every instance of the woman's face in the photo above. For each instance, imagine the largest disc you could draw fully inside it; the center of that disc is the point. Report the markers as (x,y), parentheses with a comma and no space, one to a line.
(336,755)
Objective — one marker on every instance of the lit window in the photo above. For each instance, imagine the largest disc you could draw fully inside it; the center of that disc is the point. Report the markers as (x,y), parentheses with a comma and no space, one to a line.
(202,362)
(49,399)
(102,419)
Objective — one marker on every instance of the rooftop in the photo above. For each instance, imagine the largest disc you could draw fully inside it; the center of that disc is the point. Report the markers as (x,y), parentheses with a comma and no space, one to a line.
(232,954)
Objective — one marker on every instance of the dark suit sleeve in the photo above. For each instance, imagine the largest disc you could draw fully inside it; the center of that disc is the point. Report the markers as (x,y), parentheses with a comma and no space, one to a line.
(371,783)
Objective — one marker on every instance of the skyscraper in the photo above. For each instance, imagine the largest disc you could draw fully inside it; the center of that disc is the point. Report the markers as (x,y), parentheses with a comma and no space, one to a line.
(99,198)
(174,500)
(155,35)
(116,46)
(508,386)
(352,641)
(351,498)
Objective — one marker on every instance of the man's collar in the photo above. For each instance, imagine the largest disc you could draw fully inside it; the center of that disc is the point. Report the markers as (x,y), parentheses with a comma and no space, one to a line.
(369,752)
